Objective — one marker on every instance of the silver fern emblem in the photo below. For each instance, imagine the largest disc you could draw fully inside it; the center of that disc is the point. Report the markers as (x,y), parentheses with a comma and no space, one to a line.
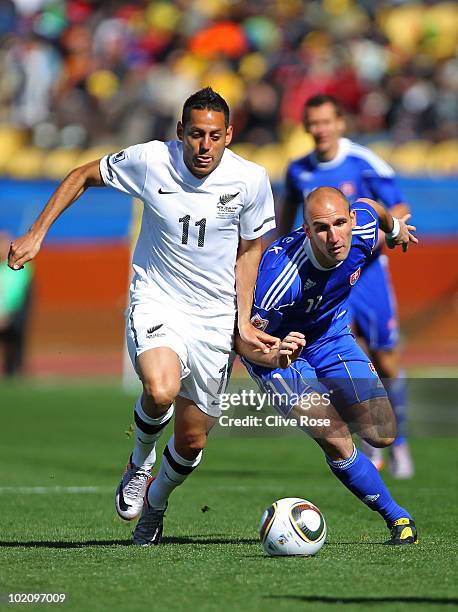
(227,197)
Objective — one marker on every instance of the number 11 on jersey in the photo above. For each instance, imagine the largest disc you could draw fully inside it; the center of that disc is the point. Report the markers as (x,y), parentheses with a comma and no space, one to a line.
(200,224)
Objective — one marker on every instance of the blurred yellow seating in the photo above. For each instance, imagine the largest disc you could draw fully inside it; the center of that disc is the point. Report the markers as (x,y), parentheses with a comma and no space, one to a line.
(274,160)
(26,163)
(94,153)
(443,158)
(11,140)
(297,143)
(383,149)
(244,149)
(58,163)
(410,158)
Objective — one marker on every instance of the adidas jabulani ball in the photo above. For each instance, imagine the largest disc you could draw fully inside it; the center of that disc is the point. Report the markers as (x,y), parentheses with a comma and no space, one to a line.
(292,526)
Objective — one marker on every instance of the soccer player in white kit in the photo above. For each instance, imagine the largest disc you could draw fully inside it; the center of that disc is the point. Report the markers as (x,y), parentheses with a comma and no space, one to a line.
(195,266)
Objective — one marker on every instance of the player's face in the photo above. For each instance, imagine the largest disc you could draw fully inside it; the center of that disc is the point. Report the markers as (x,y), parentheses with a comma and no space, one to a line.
(204,138)
(328,225)
(326,127)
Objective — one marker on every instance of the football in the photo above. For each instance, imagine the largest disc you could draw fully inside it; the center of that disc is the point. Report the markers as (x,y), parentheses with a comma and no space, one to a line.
(292,526)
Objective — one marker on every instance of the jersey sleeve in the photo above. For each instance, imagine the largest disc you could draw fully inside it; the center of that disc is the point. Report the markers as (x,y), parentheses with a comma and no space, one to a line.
(366,229)
(276,288)
(126,170)
(258,214)
(380,181)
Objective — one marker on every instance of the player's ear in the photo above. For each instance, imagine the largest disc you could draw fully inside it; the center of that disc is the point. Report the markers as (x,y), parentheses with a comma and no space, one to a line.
(180,130)
(307,230)
(353,218)
(229,134)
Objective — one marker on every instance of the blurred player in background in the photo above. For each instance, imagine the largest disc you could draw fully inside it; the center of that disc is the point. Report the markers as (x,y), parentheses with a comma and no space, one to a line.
(357,172)
(15,302)
(195,265)
(303,284)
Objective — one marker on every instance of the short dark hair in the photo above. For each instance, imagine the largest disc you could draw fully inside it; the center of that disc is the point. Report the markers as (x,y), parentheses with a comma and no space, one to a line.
(205,99)
(319,100)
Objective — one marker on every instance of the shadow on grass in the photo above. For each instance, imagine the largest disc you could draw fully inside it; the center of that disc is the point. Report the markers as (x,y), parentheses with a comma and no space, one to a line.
(210,540)
(366,600)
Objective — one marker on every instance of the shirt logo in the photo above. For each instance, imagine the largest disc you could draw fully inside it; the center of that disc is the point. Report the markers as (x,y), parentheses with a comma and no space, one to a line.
(225,209)
(227,197)
(309,284)
(162,192)
(259,322)
(151,330)
(354,277)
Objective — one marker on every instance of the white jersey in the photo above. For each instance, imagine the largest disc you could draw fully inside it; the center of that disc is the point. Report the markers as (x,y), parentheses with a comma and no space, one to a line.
(188,242)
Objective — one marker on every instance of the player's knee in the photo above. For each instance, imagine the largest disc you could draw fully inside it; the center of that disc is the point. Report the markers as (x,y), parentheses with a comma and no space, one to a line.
(379,441)
(160,392)
(190,443)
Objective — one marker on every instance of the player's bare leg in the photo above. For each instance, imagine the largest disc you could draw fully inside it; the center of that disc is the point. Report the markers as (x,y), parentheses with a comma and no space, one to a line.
(335,439)
(159,370)
(182,455)
(374,420)
(386,363)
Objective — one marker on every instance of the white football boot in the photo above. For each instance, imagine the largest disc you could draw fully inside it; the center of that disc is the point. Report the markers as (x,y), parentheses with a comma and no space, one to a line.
(131,491)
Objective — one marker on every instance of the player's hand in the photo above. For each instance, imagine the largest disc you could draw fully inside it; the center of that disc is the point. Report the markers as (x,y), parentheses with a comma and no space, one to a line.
(258,339)
(405,237)
(23,249)
(290,349)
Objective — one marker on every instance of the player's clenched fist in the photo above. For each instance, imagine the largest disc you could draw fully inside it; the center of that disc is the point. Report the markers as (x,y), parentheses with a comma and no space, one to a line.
(22,250)
(290,349)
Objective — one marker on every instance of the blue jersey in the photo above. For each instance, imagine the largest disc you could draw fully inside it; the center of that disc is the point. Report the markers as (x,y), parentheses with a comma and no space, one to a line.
(295,293)
(355,170)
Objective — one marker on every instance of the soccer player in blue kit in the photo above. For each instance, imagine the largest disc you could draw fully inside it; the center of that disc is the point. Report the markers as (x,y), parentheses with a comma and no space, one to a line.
(357,172)
(304,282)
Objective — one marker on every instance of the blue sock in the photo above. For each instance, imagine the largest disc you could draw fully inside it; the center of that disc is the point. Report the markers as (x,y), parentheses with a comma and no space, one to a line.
(360,477)
(397,393)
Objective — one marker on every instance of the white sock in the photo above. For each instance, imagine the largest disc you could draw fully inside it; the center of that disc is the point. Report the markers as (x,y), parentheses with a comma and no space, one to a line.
(173,471)
(147,432)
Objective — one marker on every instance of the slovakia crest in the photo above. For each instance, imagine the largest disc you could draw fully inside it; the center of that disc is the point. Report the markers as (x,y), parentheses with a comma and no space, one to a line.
(348,189)
(259,322)
(354,277)
(372,367)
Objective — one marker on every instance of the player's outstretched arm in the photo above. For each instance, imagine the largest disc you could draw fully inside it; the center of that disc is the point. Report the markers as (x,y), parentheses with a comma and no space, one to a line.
(397,231)
(25,248)
(246,270)
(280,356)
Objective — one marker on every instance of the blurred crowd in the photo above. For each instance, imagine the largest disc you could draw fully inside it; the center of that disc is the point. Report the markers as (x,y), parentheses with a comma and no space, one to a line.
(81,72)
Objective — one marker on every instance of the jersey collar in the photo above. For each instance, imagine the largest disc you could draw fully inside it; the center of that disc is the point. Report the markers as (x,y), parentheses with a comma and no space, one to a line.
(313,260)
(342,152)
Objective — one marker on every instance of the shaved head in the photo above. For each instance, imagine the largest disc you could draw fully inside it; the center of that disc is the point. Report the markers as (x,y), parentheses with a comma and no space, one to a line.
(328,223)
(322,197)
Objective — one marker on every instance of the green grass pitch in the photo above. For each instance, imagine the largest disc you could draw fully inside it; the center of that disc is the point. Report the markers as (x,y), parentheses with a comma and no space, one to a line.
(55,539)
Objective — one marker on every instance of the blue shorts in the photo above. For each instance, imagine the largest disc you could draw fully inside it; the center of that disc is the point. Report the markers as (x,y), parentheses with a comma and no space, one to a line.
(337,367)
(372,305)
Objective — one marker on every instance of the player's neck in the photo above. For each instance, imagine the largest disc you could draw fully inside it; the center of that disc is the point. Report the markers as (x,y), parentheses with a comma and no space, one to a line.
(329,154)
(321,259)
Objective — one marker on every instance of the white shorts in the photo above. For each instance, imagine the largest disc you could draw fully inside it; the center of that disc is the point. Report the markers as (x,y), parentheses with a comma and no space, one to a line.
(205,352)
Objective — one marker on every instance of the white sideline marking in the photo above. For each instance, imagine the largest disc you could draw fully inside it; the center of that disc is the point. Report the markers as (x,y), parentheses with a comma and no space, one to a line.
(51,490)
